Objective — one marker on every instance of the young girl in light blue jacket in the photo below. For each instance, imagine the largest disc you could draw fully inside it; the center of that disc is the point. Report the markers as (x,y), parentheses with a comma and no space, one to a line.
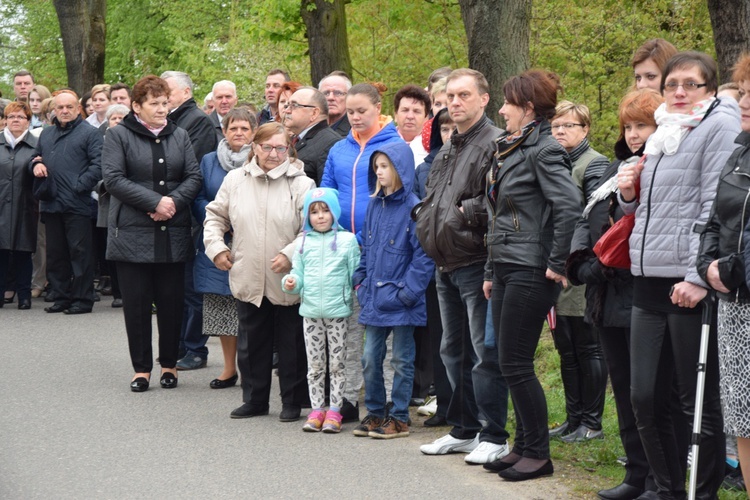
(322,275)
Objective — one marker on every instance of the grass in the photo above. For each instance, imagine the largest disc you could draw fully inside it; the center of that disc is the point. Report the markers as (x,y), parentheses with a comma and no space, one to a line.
(584,467)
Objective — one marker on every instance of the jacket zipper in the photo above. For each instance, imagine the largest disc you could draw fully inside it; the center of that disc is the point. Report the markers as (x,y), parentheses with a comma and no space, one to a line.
(354,185)
(514,214)
(648,214)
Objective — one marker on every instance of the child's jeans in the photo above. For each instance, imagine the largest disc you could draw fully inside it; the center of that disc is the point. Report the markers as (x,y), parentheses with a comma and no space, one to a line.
(318,334)
(402,362)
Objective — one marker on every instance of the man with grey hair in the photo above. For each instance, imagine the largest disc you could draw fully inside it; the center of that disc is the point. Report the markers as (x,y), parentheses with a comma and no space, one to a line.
(225,98)
(186,115)
(307,117)
(208,103)
(335,87)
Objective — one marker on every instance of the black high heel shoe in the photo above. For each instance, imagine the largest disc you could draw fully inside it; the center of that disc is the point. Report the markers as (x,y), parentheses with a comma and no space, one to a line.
(139,385)
(24,304)
(217,383)
(9,300)
(168,380)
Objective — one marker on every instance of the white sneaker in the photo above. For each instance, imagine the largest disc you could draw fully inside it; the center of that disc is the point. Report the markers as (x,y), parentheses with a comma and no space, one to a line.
(429,408)
(487,452)
(449,444)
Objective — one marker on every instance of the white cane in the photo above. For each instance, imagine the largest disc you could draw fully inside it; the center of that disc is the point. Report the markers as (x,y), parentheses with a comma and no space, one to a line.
(708,308)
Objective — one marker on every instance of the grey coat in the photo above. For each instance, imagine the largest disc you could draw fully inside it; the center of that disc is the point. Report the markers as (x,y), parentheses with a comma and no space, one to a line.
(677,192)
(139,169)
(18,208)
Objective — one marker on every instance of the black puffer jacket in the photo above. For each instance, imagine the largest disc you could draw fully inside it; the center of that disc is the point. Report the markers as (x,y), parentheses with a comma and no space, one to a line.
(455,239)
(609,291)
(722,238)
(535,204)
(139,169)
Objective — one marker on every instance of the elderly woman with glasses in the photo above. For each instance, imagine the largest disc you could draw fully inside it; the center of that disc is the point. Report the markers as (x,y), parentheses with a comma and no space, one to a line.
(684,156)
(261,204)
(582,367)
(18,209)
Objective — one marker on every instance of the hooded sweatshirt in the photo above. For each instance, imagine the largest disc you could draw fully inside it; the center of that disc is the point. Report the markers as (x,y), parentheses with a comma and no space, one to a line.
(394,271)
(324,263)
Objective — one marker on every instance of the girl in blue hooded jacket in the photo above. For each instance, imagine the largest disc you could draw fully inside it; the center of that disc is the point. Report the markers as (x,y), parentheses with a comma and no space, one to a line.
(391,280)
(322,275)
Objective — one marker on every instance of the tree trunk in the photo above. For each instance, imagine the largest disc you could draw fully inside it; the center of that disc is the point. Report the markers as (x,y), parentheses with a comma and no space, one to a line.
(730,20)
(328,47)
(83,30)
(498,36)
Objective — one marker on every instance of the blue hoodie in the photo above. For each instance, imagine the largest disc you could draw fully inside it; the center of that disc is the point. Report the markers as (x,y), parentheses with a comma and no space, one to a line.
(324,263)
(393,271)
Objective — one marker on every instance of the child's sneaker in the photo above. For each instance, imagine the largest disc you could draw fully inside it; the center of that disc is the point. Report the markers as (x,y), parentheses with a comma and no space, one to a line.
(314,421)
(332,424)
(390,428)
(369,423)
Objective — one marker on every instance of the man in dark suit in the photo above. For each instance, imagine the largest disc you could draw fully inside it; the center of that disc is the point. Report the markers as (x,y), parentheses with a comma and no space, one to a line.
(307,117)
(335,87)
(225,98)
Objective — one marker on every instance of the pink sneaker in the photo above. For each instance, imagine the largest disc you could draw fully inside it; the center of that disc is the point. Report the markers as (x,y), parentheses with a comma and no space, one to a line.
(314,421)
(332,424)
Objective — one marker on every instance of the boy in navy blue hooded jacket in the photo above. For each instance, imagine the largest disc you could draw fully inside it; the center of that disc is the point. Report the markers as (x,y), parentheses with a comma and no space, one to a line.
(391,280)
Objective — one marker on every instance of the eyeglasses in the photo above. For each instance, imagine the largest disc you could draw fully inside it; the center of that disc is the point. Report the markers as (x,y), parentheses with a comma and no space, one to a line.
(16,117)
(279,149)
(294,105)
(567,126)
(687,86)
(336,93)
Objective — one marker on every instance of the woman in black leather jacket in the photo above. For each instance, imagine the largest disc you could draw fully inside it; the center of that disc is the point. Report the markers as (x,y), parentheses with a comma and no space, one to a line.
(722,266)
(534,204)
(609,291)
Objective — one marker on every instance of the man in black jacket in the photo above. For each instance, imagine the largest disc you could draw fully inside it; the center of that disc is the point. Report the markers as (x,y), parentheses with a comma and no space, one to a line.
(307,117)
(335,87)
(451,226)
(71,152)
(186,115)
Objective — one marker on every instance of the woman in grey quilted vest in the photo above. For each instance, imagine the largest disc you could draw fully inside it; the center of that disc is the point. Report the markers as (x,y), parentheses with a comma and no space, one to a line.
(693,140)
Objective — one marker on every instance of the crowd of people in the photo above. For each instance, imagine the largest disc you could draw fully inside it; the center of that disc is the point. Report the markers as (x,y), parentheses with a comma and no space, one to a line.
(414,258)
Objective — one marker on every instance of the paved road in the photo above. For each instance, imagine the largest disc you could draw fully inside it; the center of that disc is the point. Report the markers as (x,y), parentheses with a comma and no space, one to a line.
(71,428)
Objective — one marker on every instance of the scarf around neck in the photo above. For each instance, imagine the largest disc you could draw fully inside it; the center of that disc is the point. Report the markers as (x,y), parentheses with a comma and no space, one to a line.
(12,140)
(608,187)
(673,127)
(153,130)
(228,159)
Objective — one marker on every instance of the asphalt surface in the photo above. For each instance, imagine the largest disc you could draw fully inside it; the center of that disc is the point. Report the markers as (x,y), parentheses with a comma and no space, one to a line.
(71,428)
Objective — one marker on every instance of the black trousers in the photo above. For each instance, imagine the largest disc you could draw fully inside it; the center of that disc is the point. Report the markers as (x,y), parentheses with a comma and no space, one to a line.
(616,346)
(22,270)
(521,298)
(70,259)
(584,373)
(258,328)
(142,286)
(666,347)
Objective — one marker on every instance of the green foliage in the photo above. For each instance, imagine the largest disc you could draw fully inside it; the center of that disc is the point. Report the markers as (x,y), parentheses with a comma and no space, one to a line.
(590,43)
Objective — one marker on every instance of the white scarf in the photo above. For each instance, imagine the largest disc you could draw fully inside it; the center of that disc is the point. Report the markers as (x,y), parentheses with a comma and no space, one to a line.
(608,187)
(673,127)
(12,140)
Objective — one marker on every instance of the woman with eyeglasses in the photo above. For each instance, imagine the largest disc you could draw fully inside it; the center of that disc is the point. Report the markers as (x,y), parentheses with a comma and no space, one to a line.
(684,156)
(582,367)
(261,204)
(18,208)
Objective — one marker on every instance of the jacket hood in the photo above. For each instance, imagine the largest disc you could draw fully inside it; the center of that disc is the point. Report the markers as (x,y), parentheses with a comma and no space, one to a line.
(330,197)
(401,157)
(290,168)
(436,140)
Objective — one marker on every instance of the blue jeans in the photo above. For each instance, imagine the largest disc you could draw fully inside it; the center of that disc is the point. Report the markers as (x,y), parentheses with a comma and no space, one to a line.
(402,361)
(472,367)
(192,340)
